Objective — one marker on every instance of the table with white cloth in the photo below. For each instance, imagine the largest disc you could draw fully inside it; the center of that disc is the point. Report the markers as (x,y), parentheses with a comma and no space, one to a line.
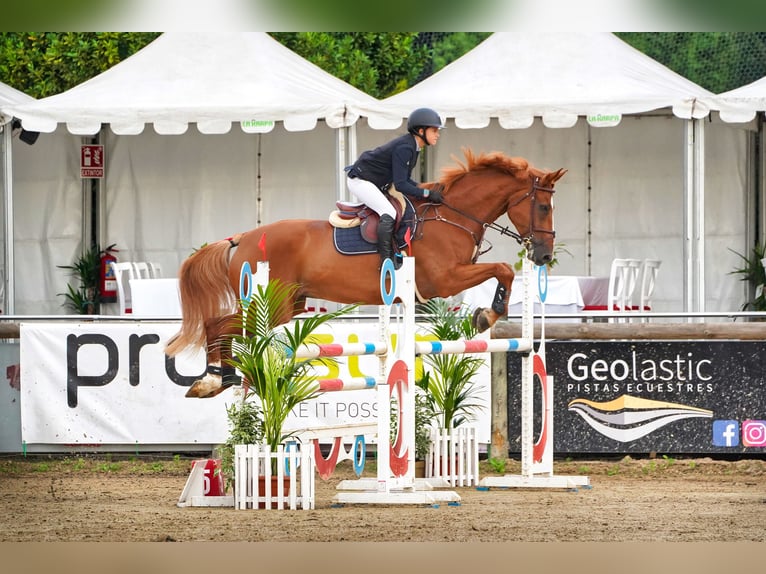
(155,297)
(566,294)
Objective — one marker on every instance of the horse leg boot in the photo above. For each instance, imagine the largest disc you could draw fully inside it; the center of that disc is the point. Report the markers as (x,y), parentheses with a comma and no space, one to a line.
(385,240)
(220,374)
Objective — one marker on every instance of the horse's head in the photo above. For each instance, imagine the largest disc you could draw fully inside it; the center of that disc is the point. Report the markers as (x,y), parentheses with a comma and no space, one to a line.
(491,184)
(532,214)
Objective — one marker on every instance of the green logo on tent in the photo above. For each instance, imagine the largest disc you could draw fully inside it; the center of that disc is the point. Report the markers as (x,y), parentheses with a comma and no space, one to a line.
(604,120)
(260,125)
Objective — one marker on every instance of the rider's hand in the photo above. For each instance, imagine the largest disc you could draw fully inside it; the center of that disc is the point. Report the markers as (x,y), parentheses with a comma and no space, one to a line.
(435,195)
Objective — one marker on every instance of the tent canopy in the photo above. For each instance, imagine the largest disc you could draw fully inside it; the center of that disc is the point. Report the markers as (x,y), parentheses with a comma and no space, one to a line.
(559,76)
(741,104)
(211,79)
(9,97)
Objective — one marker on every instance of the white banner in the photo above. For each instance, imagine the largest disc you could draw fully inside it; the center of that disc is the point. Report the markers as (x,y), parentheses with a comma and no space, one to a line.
(110,383)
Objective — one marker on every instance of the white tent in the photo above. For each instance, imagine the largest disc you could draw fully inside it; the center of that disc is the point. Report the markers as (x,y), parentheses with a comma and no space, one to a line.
(539,80)
(211,79)
(8,97)
(741,104)
(558,76)
(169,189)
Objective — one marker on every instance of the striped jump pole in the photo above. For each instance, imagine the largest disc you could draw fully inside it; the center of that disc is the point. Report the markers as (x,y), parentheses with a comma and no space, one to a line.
(520,345)
(353,384)
(313,350)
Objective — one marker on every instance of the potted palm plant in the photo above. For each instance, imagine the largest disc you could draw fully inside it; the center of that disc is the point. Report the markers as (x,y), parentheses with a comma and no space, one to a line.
(272,373)
(85,298)
(754,273)
(448,379)
(451,393)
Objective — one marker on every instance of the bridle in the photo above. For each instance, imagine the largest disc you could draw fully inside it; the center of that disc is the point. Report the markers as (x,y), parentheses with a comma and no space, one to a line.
(478,239)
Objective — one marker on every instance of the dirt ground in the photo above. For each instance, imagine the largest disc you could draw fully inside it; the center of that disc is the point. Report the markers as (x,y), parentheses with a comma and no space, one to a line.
(633,500)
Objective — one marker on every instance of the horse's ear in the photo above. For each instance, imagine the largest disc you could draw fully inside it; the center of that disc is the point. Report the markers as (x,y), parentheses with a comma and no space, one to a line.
(557,175)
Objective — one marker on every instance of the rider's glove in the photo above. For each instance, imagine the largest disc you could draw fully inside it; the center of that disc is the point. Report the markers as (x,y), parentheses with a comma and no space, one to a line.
(435,195)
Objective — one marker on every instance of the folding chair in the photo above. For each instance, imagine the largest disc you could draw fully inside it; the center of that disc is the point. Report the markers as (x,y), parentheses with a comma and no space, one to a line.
(649,270)
(623,277)
(123,272)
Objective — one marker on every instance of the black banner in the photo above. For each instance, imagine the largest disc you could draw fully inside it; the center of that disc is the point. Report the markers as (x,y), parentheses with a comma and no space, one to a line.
(674,397)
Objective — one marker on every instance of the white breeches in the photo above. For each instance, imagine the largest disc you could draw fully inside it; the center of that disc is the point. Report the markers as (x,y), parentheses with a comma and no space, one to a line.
(369,194)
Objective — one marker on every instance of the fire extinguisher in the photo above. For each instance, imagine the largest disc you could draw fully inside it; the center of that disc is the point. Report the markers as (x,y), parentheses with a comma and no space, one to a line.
(108,280)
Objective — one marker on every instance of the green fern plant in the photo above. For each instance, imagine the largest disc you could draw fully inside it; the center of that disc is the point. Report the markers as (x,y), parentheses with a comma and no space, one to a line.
(754,273)
(264,355)
(85,297)
(448,381)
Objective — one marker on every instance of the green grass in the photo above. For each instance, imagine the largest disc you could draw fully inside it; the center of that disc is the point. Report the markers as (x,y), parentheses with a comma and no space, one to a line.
(102,464)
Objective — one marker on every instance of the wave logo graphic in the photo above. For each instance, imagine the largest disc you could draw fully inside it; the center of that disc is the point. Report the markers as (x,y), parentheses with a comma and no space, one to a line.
(628,418)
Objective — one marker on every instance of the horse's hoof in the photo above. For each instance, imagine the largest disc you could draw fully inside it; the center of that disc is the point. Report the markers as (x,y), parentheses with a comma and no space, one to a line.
(205,388)
(479,320)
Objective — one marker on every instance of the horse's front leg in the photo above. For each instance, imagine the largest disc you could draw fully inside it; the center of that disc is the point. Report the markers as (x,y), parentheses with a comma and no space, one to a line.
(464,277)
(220,375)
(484,318)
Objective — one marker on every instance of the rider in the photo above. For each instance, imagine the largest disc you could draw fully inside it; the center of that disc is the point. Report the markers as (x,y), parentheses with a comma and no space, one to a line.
(373,173)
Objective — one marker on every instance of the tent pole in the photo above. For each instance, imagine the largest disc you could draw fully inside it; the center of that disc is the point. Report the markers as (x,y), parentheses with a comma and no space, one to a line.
(8,275)
(688,248)
(340,162)
(699,214)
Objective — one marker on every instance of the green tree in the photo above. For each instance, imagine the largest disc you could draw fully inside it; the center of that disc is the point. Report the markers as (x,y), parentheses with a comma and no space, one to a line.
(42,64)
(380,64)
(718,61)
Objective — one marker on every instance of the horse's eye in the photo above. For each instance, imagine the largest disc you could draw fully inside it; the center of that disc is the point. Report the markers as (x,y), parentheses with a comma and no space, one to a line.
(545,209)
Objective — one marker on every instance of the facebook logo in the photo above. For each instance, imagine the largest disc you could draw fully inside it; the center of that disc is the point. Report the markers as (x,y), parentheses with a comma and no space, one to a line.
(725,433)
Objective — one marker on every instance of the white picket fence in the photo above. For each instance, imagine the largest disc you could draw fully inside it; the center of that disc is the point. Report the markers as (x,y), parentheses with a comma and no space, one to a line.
(295,477)
(454,456)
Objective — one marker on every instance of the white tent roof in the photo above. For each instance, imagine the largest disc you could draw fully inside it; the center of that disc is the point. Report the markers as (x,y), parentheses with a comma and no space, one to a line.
(741,104)
(515,76)
(212,79)
(9,97)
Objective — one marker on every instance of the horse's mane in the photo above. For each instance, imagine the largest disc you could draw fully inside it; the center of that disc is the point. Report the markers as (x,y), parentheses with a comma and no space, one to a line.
(492,160)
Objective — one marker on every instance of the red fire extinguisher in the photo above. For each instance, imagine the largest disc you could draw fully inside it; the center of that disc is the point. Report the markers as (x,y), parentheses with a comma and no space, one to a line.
(108,283)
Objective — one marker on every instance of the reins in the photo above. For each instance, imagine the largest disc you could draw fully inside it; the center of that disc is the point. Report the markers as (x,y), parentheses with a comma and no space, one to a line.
(478,239)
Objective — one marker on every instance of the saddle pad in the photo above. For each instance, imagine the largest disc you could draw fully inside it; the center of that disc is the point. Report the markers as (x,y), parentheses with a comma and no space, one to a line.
(350,242)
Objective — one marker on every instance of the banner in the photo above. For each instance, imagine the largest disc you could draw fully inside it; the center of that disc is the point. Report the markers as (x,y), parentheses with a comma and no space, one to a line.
(651,396)
(111,383)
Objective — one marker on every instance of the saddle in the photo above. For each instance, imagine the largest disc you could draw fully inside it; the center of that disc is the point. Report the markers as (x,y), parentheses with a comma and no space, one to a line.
(350,214)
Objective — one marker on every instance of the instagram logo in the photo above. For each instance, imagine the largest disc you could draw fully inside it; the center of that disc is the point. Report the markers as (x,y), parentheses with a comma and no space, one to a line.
(753,433)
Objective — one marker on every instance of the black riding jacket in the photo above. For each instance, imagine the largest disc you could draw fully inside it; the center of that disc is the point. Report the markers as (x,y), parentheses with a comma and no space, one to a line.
(390,163)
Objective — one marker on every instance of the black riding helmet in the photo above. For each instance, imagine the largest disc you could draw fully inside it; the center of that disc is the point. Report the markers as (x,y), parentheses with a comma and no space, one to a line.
(421,119)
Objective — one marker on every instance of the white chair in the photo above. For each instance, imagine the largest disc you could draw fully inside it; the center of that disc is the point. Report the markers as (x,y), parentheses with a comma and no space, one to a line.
(142,270)
(155,270)
(123,272)
(623,277)
(649,270)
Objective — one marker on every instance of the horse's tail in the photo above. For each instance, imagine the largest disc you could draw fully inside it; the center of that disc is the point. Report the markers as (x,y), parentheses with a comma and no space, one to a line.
(203,281)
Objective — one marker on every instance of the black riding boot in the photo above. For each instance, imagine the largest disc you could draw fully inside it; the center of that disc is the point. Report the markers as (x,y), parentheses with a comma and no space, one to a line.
(385,240)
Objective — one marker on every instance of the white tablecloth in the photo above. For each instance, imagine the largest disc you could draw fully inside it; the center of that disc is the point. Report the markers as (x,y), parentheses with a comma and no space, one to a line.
(155,297)
(565,293)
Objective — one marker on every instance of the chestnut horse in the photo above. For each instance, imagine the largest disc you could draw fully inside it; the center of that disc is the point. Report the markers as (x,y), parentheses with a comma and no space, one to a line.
(446,245)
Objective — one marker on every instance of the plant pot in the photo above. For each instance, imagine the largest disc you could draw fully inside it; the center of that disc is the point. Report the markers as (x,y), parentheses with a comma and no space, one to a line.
(274,486)
(420,469)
